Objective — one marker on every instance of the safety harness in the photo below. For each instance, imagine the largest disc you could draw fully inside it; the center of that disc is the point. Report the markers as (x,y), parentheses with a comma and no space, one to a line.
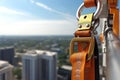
(83,56)
(83,61)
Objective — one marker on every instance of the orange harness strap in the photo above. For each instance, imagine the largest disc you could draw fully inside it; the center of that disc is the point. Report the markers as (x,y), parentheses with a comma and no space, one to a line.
(82,60)
(115,12)
(89,3)
(82,69)
(89,69)
(112,3)
(78,63)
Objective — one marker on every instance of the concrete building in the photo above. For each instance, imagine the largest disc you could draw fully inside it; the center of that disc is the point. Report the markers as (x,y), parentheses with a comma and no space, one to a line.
(7,54)
(5,71)
(64,72)
(39,65)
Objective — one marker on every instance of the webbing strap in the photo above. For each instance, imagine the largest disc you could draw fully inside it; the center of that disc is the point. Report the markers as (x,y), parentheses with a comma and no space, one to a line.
(112,3)
(90,3)
(89,69)
(83,69)
(78,63)
(83,64)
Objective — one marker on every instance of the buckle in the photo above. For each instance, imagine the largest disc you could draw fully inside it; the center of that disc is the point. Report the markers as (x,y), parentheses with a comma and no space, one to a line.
(89,40)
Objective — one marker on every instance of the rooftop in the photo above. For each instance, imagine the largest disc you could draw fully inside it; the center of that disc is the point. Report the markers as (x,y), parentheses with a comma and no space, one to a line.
(67,67)
(35,52)
(9,47)
(3,64)
(49,53)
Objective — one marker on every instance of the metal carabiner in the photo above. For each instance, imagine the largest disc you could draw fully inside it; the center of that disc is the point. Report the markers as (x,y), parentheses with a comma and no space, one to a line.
(96,14)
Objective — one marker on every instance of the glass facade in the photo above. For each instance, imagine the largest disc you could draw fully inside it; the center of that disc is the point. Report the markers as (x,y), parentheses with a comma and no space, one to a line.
(27,69)
(45,69)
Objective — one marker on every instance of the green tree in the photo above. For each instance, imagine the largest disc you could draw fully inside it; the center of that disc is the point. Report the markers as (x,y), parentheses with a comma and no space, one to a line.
(18,73)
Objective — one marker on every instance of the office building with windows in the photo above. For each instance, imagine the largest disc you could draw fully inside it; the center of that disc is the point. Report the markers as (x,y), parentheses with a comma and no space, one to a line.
(6,71)
(64,72)
(7,54)
(39,65)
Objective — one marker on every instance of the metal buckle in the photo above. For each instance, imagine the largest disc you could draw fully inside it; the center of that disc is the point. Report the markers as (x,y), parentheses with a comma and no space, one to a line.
(83,39)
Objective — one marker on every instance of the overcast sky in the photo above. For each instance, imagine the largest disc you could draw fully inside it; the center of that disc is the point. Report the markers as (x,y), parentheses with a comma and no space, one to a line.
(38,17)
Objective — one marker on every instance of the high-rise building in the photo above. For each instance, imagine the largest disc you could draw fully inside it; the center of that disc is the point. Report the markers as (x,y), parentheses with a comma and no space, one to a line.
(6,71)
(39,65)
(7,54)
(64,72)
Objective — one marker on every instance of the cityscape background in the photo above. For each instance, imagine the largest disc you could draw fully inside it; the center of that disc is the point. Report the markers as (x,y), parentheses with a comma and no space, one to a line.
(35,37)
(30,57)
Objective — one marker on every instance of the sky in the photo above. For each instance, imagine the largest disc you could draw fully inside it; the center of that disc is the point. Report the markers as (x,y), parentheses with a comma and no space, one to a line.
(38,17)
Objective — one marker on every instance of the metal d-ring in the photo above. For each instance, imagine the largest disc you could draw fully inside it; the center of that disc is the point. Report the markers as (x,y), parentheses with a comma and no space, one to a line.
(96,14)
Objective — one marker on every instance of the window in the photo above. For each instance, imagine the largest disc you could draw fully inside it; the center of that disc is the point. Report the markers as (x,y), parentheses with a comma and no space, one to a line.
(45,69)
(3,76)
